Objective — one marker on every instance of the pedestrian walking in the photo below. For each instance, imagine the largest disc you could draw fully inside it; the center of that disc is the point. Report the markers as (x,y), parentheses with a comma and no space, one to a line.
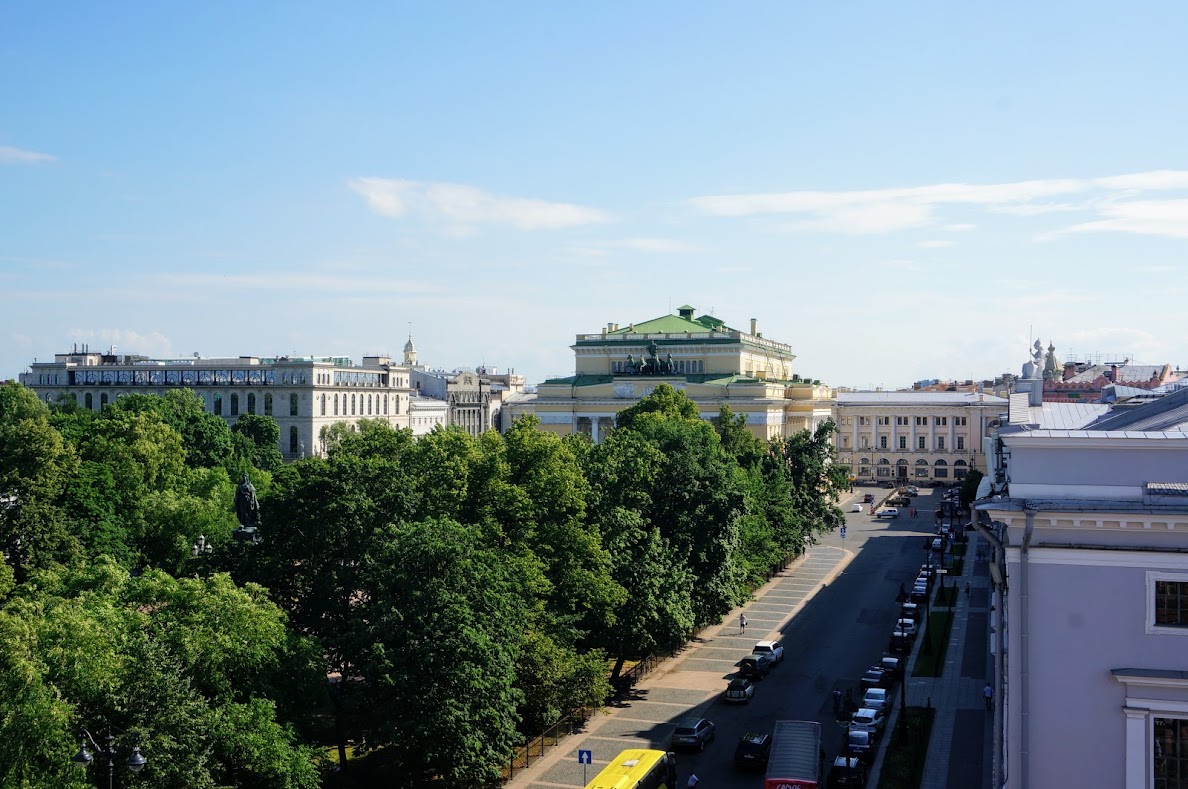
(988,695)
(693,781)
(742,624)
(836,702)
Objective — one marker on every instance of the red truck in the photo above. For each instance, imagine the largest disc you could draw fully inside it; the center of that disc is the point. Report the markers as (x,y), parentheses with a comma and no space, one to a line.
(796,757)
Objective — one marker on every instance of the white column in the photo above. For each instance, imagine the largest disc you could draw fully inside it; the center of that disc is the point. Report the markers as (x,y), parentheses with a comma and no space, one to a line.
(1137,749)
(594,429)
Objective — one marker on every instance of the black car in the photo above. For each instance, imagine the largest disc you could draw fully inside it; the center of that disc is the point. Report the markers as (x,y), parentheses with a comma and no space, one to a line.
(752,751)
(847,773)
(754,667)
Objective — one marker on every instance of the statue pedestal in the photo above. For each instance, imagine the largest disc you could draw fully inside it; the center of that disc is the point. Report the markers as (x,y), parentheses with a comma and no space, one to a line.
(248,534)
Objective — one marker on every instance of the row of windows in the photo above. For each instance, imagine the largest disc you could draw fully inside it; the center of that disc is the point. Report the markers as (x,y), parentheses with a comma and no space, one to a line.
(921,442)
(942,421)
(921,472)
(902,462)
(689,366)
(369,405)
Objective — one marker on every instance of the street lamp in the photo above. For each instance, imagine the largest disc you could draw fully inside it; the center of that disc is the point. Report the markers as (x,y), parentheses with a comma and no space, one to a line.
(83,758)
(201,548)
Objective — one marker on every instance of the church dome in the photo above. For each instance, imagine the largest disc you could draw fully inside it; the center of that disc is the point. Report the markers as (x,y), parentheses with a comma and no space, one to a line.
(409,347)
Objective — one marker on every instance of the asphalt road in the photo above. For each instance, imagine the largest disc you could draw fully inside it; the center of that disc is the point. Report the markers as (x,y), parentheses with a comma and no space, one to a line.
(838,633)
(830,643)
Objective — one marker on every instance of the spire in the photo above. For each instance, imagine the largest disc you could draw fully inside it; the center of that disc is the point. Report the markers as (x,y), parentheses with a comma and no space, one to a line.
(410,350)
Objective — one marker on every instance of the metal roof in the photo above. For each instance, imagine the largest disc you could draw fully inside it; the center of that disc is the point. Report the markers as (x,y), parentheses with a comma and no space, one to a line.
(918,398)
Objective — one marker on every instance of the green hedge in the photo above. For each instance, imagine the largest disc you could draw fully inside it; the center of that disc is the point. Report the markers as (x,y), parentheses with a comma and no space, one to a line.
(903,763)
(931,663)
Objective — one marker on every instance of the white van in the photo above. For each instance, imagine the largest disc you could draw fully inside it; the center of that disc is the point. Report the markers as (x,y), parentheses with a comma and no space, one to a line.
(887,512)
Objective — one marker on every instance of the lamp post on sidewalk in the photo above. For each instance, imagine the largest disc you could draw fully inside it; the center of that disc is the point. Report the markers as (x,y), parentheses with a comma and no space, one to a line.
(83,758)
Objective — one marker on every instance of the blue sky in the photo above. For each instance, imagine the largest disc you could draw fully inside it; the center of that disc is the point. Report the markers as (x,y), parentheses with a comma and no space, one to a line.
(897,190)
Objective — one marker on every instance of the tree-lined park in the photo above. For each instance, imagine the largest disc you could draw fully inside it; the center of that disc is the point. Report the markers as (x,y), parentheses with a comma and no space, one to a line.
(431,603)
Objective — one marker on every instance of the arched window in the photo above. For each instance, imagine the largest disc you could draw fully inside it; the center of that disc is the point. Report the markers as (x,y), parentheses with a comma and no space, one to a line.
(323,405)
(293,404)
(268,404)
(958,462)
(386,398)
(901,462)
(216,407)
(102,400)
(921,462)
(90,399)
(234,404)
(293,440)
(251,402)
(336,404)
(940,470)
(352,404)
(369,405)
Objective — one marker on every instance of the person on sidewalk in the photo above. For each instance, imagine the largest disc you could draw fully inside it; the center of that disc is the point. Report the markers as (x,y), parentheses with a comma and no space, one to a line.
(742,624)
(988,695)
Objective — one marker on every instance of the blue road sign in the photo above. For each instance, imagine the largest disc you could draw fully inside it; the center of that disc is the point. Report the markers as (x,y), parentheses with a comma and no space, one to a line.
(843,532)
(585,757)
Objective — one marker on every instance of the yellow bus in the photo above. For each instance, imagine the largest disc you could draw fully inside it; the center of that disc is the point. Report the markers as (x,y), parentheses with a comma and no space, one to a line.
(638,769)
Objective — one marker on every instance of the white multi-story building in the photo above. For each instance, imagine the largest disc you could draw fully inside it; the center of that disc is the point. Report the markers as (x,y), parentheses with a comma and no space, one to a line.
(1090,618)
(303,394)
(913,437)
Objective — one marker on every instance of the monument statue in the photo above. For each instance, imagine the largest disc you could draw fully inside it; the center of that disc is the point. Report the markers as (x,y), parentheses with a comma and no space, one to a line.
(247,508)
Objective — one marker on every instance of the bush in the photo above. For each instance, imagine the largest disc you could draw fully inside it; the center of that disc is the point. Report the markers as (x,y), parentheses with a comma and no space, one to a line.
(903,765)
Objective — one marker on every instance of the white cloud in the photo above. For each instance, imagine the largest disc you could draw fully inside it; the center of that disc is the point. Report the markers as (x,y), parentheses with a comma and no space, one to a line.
(1155,179)
(959,228)
(935,243)
(460,205)
(655,245)
(312,283)
(10,155)
(1146,217)
(870,211)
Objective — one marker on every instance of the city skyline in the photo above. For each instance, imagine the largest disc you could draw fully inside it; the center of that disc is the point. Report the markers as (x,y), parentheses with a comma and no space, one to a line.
(897,193)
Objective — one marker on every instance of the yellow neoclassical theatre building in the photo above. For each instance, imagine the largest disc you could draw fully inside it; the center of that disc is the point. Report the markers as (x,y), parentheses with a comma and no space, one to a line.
(711,362)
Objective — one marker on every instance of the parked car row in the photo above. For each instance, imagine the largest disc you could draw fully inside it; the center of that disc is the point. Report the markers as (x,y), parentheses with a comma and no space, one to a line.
(752,749)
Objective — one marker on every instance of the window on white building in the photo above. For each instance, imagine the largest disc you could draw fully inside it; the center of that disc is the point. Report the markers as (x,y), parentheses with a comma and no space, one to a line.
(882,442)
(921,442)
(960,421)
(940,420)
(961,442)
(884,420)
(864,420)
(921,420)
(1171,603)
(940,442)
(903,442)
(1170,756)
(901,420)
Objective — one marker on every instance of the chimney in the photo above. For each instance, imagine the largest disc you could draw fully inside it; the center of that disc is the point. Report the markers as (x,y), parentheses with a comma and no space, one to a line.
(754,325)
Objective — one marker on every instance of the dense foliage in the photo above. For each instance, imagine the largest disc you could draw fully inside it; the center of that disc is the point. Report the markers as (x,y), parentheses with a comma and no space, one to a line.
(459,594)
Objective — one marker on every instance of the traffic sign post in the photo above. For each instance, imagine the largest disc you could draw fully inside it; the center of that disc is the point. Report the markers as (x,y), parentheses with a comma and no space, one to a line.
(843,532)
(584,758)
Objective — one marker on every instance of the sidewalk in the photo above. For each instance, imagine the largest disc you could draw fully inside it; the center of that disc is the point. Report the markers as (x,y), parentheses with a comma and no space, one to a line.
(957,752)
(690,681)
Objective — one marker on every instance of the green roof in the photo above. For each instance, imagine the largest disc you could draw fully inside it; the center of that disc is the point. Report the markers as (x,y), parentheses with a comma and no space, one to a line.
(581,380)
(674,324)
